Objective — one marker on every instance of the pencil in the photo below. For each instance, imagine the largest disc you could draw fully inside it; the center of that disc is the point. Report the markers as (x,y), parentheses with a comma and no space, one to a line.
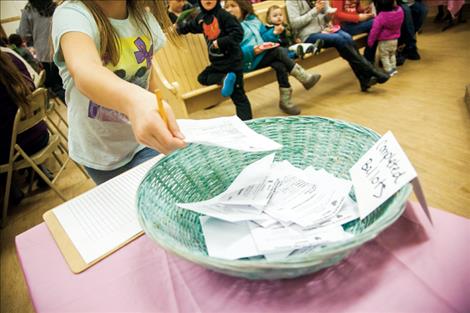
(161,109)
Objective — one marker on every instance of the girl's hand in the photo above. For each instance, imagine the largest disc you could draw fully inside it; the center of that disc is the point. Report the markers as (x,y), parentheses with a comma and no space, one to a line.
(149,128)
(278,29)
(257,50)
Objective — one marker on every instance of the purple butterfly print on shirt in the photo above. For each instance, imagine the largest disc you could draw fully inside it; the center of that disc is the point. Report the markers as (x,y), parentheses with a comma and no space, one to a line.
(142,54)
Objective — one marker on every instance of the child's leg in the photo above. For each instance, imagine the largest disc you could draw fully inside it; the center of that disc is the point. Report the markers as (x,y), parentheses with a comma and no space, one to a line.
(240,100)
(384,56)
(279,60)
(393,52)
(210,76)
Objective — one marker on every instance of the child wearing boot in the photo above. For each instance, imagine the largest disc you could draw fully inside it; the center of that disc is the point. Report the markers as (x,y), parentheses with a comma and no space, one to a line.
(275,18)
(223,34)
(256,56)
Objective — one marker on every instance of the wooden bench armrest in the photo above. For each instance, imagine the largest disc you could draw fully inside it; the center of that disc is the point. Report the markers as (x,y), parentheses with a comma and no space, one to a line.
(171,91)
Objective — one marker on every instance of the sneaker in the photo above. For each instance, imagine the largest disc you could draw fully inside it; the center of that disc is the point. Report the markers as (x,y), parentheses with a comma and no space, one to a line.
(228,84)
(300,52)
(392,72)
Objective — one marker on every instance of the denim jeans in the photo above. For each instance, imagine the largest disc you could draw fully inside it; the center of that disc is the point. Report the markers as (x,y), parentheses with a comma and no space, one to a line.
(407,31)
(337,40)
(419,11)
(359,28)
(100,177)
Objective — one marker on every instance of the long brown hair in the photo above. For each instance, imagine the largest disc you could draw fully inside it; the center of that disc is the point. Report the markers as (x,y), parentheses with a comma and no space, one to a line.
(246,7)
(109,48)
(18,86)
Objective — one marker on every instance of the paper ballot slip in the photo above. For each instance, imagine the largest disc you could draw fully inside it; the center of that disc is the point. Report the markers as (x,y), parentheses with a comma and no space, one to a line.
(243,199)
(228,132)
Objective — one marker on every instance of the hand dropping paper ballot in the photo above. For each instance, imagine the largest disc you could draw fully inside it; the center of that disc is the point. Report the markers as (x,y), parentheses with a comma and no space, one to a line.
(228,132)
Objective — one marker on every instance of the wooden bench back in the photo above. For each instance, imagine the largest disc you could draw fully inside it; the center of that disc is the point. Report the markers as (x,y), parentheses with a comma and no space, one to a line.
(183,64)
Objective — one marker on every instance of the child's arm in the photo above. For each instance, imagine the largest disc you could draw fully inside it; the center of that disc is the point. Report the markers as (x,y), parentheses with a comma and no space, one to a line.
(102,86)
(268,33)
(298,20)
(377,26)
(234,32)
(188,25)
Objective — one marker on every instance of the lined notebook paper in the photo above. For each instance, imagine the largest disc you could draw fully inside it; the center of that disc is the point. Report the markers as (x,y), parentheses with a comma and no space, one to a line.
(104,218)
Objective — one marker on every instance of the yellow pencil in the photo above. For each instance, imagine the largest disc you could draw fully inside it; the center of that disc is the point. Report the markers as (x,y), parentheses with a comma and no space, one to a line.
(161,109)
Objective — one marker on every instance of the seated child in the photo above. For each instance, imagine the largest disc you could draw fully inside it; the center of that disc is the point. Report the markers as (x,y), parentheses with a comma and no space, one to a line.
(259,52)
(175,7)
(275,19)
(223,34)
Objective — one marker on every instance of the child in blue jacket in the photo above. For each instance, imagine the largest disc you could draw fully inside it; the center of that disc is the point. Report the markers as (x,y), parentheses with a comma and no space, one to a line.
(256,54)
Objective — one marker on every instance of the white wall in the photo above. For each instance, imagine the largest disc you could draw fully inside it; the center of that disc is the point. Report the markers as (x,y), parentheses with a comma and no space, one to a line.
(11,8)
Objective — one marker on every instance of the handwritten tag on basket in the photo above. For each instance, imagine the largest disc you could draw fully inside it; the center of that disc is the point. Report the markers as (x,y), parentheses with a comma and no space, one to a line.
(380,173)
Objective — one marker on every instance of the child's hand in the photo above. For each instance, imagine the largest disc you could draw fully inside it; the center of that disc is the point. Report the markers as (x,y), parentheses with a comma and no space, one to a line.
(278,29)
(257,50)
(215,44)
(320,6)
(149,128)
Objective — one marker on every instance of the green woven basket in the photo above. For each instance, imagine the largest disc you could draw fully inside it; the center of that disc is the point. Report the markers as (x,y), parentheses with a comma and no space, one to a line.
(200,172)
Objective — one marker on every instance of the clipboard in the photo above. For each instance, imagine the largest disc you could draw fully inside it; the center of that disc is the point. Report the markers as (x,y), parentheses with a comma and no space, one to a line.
(67,248)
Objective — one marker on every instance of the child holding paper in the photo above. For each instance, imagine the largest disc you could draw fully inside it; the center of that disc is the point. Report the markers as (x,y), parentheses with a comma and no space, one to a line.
(104,52)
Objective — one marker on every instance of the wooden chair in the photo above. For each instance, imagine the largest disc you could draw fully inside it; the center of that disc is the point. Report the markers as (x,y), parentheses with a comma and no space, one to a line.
(19,159)
(177,67)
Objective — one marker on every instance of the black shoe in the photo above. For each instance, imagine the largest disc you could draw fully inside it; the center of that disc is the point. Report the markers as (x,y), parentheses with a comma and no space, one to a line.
(381,77)
(367,83)
(400,59)
(412,55)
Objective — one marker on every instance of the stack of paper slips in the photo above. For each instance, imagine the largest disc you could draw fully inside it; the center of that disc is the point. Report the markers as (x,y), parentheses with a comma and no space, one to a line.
(275,209)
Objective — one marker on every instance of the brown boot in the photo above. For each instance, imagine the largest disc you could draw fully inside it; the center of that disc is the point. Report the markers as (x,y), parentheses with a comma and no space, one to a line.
(306,79)
(285,103)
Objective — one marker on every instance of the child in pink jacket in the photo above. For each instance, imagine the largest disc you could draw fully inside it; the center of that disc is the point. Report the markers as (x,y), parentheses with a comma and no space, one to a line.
(386,29)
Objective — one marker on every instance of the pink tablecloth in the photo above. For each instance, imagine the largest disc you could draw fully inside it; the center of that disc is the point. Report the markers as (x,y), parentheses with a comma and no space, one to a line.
(406,269)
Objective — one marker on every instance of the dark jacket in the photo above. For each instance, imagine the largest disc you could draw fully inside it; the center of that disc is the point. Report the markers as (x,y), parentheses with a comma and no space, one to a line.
(219,25)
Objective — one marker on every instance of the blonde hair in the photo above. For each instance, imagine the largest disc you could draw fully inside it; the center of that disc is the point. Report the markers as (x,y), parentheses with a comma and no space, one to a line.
(109,48)
(268,13)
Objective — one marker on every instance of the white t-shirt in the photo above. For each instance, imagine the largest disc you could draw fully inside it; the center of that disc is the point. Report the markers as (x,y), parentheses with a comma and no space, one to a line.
(101,138)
